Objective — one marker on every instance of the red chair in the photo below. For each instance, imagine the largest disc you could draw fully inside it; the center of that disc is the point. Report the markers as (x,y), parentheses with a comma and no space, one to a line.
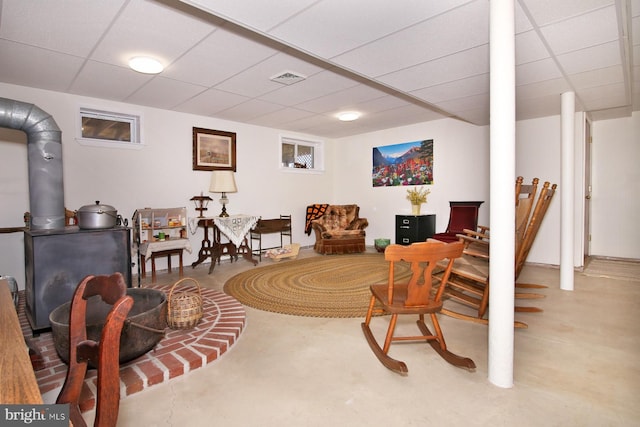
(463,215)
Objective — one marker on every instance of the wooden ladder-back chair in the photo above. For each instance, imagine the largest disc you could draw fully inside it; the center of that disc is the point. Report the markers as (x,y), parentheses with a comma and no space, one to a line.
(104,354)
(415,297)
(469,280)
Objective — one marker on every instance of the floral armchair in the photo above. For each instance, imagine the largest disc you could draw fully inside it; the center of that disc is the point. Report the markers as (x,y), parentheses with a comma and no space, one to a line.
(340,230)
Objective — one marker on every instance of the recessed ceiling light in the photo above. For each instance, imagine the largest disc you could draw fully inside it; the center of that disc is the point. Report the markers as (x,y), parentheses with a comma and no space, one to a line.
(146,65)
(349,116)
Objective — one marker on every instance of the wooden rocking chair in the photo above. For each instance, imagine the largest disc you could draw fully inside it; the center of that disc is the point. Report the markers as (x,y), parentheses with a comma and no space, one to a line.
(417,297)
(104,354)
(469,280)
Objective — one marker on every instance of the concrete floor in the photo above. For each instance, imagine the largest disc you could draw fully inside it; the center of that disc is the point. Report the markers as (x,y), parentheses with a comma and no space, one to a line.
(576,365)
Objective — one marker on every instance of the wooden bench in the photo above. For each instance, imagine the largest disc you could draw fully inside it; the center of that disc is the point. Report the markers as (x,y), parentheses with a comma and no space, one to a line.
(280,225)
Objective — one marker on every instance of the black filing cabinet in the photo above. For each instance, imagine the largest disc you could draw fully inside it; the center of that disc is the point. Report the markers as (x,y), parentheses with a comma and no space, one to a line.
(414,228)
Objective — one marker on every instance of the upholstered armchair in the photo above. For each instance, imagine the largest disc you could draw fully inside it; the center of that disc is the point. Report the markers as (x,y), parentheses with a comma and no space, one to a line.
(340,230)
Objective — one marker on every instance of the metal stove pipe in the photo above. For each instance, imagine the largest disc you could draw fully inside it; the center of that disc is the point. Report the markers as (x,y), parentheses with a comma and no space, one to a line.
(44,156)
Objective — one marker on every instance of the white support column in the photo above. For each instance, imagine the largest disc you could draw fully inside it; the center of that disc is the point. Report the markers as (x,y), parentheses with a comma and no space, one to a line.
(567,221)
(502,175)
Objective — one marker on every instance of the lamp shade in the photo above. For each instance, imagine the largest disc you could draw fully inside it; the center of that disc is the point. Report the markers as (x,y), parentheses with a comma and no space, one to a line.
(222,182)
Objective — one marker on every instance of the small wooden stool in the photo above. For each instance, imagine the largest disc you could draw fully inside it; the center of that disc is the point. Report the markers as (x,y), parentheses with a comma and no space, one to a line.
(154,255)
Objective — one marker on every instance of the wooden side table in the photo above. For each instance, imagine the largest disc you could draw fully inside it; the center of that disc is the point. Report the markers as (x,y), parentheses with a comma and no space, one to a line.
(234,227)
(157,254)
(158,249)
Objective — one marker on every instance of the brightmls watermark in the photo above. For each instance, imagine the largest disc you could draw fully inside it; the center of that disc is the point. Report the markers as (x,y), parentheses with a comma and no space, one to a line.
(34,415)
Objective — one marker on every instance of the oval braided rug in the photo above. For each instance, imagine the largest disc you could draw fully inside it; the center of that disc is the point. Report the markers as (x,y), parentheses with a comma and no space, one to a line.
(327,286)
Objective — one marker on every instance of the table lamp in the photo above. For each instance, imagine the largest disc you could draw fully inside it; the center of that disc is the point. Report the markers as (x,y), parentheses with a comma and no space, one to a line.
(223,182)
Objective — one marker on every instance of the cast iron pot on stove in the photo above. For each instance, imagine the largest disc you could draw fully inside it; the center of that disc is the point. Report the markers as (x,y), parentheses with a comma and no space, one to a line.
(96,217)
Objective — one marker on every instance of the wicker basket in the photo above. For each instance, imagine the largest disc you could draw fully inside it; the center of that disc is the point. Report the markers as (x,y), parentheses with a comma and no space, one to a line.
(184,309)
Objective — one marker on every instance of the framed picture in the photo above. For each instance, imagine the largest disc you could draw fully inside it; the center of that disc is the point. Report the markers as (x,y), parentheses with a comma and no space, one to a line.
(213,150)
(410,163)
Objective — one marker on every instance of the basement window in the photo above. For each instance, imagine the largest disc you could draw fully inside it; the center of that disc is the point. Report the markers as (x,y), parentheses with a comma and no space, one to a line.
(108,129)
(301,155)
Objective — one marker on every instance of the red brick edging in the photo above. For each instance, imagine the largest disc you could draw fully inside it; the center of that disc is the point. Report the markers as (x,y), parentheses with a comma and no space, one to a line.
(179,352)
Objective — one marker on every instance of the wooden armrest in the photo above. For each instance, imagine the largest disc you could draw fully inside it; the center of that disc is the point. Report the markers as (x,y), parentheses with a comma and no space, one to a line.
(475,247)
(469,239)
(478,235)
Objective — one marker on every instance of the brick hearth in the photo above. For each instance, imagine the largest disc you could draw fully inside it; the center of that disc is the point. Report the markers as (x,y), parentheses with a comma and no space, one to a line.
(179,352)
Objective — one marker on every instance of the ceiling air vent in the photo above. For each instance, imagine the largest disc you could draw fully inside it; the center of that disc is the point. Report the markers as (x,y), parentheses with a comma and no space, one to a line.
(288,78)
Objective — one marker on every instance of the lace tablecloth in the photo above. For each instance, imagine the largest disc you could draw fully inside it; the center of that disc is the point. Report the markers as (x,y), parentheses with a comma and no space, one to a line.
(235,227)
(148,248)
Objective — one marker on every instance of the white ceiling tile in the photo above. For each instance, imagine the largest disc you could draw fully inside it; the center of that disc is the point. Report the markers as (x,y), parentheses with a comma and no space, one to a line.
(313,121)
(449,68)
(408,114)
(313,87)
(583,31)
(338,130)
(635,29)
(260,15)
(591,58)
(394,74)
(477,116)
(210,102)
(536,71)
(530,48)
(218,57)
(353,23)
(249,109)
(281,117)
(431,39)
(150,29)
(553,87)
(465,103)
(256,81)
(33,66)
(116,83)
(596,77)
(164,93)
(456,89)
(522,22)
(607,96)
(77,27)
(546,11)
(343,100)
(610,113)
(384,103)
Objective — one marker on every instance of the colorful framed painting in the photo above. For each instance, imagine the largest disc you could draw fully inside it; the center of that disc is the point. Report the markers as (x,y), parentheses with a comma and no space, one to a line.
(409,163)
(213,150)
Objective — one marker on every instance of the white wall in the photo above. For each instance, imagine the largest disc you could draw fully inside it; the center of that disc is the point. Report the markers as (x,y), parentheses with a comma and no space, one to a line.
(615,201)
(461,172)
(538,156)
(159,175)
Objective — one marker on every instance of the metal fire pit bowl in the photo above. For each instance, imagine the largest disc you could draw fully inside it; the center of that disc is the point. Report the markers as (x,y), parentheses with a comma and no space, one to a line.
(143,328)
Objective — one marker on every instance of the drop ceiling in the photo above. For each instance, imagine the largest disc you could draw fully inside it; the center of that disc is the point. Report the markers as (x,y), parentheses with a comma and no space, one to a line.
(396,62)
